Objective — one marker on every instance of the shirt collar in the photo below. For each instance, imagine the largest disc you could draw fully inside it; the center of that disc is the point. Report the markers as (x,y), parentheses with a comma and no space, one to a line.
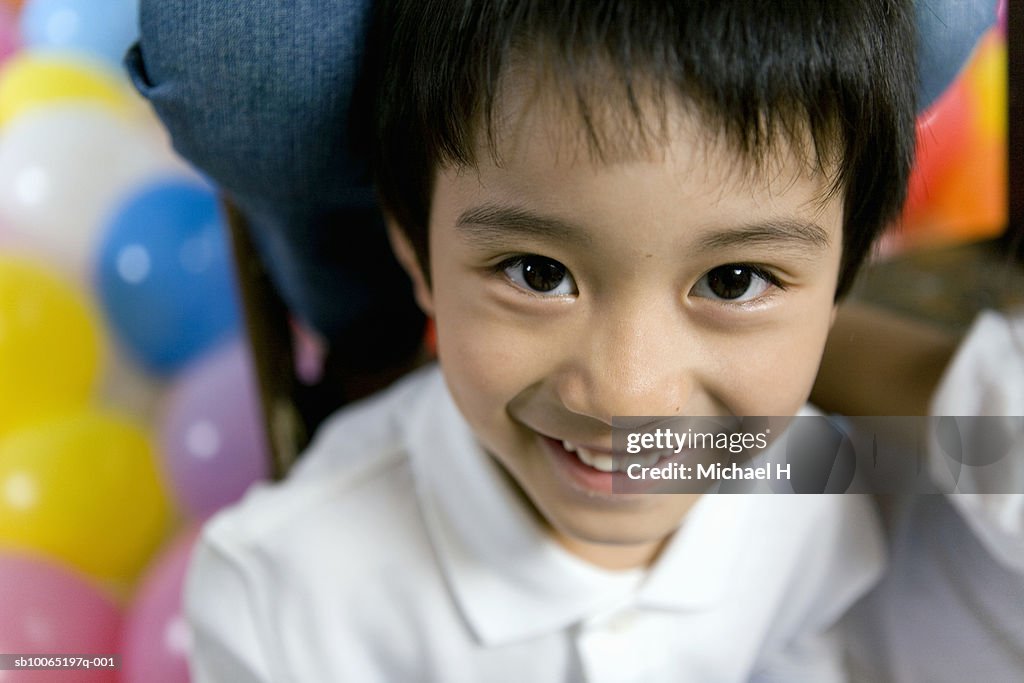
(510,580)
(696,567)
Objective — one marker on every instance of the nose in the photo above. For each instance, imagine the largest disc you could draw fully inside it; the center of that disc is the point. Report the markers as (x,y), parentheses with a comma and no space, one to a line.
(638,364)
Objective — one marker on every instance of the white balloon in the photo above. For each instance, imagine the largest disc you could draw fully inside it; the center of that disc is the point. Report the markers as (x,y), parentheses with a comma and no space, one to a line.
(63,172)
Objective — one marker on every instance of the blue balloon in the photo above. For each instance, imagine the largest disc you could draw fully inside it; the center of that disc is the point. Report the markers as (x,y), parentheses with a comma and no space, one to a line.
(164,276)
(104,29)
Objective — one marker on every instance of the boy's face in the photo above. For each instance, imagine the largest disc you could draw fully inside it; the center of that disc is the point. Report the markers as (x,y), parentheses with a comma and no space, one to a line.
(567,291)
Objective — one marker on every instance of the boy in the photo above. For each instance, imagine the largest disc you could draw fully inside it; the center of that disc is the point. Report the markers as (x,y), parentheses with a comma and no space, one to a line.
(609,209)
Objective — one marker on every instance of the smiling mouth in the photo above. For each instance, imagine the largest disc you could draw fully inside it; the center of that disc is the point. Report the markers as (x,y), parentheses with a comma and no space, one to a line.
(610,462)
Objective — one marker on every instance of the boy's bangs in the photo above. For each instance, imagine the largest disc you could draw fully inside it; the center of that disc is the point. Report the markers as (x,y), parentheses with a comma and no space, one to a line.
(835,80)
(609,115)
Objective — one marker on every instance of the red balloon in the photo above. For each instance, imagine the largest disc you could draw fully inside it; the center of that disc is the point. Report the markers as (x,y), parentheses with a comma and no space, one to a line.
(943,138)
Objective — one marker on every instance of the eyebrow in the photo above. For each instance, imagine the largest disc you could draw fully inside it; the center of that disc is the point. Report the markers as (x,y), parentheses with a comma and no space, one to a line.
(776,232)
(495,223)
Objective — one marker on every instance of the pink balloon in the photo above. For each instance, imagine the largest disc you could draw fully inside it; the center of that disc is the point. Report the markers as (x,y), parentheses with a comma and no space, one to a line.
(47,609)
(10,40)
(310,352)
(213,440)
(156,638)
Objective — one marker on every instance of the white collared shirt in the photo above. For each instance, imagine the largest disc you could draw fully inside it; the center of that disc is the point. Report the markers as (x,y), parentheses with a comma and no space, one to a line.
(951,605)
(398,551)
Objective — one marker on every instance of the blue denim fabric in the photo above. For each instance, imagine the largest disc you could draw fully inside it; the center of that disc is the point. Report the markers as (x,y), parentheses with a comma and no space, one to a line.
(256,94)
(949,30)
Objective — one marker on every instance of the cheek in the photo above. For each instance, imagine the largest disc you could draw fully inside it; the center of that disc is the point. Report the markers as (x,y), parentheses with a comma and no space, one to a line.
(487,362)
(772,375)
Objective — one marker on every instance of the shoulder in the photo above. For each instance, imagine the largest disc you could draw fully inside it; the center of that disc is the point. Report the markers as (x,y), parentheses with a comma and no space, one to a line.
(827,549)
(353,486)
(338,552)
(355,436)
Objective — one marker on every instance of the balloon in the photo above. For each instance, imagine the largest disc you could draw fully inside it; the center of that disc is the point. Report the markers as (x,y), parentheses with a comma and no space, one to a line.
(50,344)
(310,352)
(975,202)
(156,639)
(48,609)
(53,196)
(958,189)
(212,436)
(9,37)
(164,275)
(103,29)
(986,79)
(30,80)
(943,136)
(84,488)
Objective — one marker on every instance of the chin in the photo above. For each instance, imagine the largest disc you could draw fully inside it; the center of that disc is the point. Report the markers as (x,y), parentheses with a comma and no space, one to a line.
(618,530)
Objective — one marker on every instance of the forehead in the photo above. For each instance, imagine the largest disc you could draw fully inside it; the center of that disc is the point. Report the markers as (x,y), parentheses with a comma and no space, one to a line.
(544,133)
(539,119)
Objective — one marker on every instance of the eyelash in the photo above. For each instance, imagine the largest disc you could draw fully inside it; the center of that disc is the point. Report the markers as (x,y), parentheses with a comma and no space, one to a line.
(757,270)
(502,268)
(766,276)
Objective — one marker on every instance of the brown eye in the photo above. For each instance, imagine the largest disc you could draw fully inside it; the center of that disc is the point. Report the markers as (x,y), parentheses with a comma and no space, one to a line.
(539,274)
(729,282)
(542,274)
(734,283)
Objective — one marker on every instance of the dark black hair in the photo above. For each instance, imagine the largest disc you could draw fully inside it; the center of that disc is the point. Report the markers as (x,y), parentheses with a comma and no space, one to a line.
(842,71)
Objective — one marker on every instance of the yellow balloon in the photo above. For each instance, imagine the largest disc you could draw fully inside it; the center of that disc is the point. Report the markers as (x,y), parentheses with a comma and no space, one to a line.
(986,78)
(50,345)
(84,488)
(32,80)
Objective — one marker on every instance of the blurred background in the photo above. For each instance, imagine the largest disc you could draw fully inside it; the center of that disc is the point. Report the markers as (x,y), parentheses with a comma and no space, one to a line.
(129,408)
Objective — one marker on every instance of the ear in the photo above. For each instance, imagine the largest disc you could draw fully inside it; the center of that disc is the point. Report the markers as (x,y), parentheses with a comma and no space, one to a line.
(406,256)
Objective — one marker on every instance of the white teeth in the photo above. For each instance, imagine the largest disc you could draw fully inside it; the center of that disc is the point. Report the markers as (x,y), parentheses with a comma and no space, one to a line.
(648,460)
(599,461)
(605,462)
(586,456)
